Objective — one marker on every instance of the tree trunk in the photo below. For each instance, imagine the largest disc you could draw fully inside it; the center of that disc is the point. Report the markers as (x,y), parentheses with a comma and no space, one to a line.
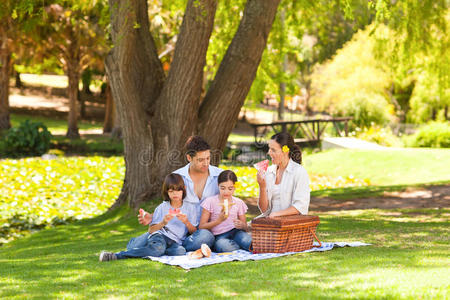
(109,111)
(18,84)
(220,109)
(73,75)
(5,60)
(158,114)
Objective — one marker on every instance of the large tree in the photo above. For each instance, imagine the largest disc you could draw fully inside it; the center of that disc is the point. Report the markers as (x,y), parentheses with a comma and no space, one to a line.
(158,112)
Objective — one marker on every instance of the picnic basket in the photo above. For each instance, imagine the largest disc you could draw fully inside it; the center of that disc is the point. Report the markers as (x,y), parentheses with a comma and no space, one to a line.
(284,234)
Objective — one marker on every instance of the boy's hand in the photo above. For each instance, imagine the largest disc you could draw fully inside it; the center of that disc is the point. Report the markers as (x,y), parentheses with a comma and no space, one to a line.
(182,217)
(144,217)
(167,218)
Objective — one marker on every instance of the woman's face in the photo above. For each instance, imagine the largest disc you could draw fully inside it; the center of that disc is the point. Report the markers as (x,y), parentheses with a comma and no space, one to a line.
(226,189)
(276,153)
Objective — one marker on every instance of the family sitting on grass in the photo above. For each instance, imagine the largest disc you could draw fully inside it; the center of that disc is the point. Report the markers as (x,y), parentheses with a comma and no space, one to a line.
(199,207)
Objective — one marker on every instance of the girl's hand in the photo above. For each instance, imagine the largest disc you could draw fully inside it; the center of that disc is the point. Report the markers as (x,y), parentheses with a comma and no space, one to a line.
(182,217)
(167,218)
(260,178)
(222,217)
(240,224)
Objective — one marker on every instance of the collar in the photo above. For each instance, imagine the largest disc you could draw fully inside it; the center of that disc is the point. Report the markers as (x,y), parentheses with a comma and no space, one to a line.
(184,171)
(289,168)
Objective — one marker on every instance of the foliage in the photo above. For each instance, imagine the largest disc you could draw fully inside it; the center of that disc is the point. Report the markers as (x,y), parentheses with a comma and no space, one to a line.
(434,134)
(35,193)
(378,134)
(408,259)
(30,138)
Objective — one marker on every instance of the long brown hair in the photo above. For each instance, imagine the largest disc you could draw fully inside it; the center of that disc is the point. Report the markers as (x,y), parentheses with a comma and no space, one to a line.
(285,139)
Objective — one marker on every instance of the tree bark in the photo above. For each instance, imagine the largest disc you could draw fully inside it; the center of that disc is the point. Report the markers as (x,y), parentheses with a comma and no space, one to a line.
(5,60)
(109,111)
(73,75)
(157,114)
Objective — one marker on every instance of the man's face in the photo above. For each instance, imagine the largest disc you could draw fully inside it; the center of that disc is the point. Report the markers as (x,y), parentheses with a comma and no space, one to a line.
(200,162)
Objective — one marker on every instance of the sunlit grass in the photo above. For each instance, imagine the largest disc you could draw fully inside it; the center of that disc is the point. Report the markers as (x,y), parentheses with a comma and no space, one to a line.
(409,259)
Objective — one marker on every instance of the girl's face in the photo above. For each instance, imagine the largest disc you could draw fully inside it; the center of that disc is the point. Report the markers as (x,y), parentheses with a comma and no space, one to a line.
(276,153)
(226,189)
(175,195)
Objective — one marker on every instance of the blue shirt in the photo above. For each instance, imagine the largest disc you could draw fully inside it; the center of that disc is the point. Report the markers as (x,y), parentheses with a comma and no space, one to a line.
(175,229)
(211,187)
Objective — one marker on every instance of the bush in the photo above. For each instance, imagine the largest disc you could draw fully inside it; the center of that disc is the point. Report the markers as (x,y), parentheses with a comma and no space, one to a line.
(366,109)
(434,134)
(380,135)
(29,139)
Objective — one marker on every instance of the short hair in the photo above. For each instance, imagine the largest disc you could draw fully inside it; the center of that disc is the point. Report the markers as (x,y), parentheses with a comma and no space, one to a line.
(226,175)
(173,182)
(196,144)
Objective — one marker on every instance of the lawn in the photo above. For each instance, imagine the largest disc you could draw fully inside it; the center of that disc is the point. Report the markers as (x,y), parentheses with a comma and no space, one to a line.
(409,259)
(390,167)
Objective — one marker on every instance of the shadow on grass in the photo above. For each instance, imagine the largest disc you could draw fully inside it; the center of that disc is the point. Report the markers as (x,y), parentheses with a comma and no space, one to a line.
(408,247)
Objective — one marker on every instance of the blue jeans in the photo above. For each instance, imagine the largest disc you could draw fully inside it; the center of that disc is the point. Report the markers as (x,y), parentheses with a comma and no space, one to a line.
(232,240)
(155,245)
(195,240)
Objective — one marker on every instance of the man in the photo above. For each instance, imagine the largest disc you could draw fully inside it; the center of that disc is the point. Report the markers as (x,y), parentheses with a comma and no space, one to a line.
(200,179)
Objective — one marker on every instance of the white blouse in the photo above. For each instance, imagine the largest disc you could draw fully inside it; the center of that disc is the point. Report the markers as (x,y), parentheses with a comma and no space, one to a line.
(293,190)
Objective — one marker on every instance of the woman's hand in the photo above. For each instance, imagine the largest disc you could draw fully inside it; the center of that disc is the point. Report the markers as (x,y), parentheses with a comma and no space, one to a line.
(240,224)
(260,178)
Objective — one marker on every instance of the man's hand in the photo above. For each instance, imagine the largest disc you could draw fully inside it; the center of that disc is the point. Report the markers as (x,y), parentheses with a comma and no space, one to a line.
(144,217)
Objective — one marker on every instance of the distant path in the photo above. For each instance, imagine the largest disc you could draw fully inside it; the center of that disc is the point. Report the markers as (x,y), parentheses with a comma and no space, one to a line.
(436,196)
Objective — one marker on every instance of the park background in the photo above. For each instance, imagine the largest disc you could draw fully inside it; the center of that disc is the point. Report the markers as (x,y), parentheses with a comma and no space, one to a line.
(62,148)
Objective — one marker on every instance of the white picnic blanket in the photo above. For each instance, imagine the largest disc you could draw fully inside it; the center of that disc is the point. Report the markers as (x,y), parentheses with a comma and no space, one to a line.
(241,255)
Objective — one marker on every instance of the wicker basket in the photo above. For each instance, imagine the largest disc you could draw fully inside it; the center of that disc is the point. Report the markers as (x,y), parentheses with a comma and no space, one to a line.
(284,234)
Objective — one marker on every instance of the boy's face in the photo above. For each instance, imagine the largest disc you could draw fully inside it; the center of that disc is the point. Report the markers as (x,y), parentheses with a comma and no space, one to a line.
(200,162)
(175,195)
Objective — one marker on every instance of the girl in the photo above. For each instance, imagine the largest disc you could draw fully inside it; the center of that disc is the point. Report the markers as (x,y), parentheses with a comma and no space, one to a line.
(224,215)
(172,220)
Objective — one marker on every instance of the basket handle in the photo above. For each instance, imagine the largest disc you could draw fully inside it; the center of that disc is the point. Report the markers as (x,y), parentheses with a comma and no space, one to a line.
(320,244)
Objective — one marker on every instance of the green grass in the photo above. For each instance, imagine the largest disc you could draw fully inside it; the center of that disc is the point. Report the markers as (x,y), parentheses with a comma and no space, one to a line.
(54,125)
(409,259)
(391,167)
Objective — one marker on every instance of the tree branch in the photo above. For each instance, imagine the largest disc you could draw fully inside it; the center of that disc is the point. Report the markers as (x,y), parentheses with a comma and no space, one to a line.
(180,98)
(225,97)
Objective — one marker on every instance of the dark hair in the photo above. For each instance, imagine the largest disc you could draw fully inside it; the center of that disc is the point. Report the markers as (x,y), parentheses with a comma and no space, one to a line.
(226,175)
(196,144)
(285,139)
(172,182)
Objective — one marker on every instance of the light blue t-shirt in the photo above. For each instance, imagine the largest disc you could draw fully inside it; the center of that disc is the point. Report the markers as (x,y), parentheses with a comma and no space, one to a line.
(211,187)
(175,229)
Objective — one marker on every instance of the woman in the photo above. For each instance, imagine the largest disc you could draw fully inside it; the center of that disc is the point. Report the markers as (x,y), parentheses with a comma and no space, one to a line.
(284,187)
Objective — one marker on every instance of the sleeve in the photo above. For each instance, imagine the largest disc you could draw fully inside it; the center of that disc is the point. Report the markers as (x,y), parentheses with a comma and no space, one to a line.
(269,197)
(207,204)
(158,215)
(301,195)
(193,215)
(242,208)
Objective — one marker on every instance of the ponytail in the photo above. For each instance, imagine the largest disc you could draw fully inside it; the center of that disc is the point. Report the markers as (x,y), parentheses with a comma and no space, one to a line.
(285,139)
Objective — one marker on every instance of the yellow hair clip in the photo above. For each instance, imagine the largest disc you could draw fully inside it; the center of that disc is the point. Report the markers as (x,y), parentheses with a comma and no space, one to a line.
(237,184)
(285,149)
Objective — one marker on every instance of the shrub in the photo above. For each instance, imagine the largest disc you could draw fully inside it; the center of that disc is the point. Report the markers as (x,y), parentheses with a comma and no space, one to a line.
(380,135)
(30,138)
(366,109)
(434,134)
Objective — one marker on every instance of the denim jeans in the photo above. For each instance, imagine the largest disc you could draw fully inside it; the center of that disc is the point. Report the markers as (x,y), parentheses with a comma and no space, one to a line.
(155,245)
(195,240)
(232,240)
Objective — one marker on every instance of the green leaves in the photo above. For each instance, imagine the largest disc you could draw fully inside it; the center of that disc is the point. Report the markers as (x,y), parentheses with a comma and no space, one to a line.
(30,138)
